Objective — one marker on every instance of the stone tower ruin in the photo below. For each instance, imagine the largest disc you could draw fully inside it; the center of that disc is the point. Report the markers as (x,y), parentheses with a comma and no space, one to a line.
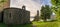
(16,16)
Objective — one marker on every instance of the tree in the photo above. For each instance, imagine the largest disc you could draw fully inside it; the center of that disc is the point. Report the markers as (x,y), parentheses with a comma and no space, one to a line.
(56,7)
(1,1)
(45,12)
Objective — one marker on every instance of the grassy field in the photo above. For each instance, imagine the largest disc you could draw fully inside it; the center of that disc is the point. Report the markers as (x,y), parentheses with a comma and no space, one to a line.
(46,24)
(35,24)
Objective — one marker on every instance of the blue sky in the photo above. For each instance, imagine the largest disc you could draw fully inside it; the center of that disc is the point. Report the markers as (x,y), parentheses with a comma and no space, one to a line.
(43,2)
(31,5)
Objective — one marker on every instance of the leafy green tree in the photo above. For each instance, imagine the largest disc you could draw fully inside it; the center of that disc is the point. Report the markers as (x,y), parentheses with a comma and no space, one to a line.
(1,1)
(45,12)
(56,7)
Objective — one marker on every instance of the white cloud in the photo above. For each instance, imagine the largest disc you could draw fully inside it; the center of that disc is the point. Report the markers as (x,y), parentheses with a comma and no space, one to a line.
(30,5)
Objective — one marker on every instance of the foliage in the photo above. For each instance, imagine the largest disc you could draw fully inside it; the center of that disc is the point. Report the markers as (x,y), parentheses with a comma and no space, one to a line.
(55,2)
(1,1)
(45,12)
(56,7)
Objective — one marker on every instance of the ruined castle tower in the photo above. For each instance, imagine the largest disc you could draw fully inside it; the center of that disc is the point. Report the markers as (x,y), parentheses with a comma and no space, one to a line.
(16,15)
(11,15)
(37,12)
(37,16)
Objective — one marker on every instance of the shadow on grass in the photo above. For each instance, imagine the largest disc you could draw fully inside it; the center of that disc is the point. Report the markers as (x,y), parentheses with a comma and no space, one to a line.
(20,25)
(15,25)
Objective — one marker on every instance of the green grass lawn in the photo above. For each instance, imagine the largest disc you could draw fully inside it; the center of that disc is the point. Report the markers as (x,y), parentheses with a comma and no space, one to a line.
(46,24)
(36,24)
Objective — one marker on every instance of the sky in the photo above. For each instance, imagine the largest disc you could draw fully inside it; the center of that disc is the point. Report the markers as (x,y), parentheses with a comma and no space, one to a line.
(31,5)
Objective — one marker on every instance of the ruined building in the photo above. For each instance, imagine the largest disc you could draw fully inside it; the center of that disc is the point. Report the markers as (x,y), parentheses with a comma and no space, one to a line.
(11,15)
(37,16)
(16,16)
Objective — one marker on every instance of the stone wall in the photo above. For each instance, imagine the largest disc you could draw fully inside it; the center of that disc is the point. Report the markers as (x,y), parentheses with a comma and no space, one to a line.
(16,16)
